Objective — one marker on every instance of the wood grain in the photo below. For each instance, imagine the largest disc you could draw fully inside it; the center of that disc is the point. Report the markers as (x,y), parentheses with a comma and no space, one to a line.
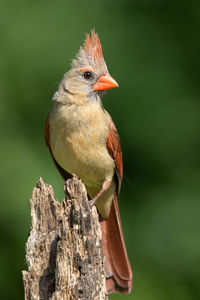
(64,249)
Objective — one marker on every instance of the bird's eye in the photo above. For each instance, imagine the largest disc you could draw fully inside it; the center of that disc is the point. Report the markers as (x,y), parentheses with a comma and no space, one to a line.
(87,74)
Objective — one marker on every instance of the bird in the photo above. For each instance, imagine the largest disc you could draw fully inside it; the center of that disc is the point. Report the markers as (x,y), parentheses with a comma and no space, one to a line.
(83,140)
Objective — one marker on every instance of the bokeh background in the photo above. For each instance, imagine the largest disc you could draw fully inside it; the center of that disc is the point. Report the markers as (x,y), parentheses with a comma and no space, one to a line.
(152,49)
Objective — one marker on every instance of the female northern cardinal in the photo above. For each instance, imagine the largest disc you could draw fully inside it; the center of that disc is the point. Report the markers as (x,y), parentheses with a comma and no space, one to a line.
(82,139)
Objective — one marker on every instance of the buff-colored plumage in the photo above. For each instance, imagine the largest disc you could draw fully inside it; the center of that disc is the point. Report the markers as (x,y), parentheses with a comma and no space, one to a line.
(79,146)
(82,139)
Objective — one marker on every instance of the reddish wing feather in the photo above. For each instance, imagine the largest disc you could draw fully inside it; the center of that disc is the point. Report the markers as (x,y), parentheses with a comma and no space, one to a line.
(114,148)
(119,274)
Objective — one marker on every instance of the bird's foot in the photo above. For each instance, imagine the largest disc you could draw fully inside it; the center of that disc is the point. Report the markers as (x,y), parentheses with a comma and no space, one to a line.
(104,188)
(92,202)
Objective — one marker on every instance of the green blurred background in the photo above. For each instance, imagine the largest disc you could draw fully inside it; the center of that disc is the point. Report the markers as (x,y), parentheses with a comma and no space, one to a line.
(152,49)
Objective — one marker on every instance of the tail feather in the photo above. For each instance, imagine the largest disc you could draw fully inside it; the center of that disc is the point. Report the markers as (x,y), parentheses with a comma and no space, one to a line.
(118,269)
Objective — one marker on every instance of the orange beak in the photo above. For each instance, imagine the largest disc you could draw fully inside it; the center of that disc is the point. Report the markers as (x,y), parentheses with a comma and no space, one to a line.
(105,82)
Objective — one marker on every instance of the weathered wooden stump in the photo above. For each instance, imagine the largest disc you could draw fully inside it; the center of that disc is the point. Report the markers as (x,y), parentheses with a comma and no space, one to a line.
(64,249)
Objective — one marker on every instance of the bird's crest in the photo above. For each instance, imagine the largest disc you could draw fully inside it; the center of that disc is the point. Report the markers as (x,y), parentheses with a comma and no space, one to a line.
(92,46)
(90,53)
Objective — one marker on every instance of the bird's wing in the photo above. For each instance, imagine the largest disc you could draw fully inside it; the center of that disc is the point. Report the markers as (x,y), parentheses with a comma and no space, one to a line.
(114,149)
(118,269)
(63,173)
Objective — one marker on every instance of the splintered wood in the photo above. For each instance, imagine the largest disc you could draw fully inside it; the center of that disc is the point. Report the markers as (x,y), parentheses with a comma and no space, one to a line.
(64,249)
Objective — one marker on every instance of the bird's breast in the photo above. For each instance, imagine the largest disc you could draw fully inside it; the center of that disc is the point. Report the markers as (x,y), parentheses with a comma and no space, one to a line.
(78,141)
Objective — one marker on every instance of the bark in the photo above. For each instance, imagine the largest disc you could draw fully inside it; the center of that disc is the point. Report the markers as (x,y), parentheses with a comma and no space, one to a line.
(64,248)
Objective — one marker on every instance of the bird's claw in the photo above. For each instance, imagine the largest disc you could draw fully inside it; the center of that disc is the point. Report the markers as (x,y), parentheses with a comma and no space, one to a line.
(92,202)
(105,186)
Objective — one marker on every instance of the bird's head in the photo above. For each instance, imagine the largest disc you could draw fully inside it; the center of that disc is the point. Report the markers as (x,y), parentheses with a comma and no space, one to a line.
(88,76)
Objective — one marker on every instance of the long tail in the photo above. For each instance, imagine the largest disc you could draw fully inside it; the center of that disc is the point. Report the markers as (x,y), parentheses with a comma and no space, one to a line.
(118,269)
